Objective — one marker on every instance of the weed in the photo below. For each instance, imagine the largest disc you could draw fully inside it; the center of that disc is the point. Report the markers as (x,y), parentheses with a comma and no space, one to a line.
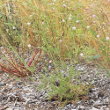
(61,87)
(14,64)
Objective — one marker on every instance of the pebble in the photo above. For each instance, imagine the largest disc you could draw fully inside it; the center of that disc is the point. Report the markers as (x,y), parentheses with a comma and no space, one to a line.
(2,84)
(9,108)
(93,108)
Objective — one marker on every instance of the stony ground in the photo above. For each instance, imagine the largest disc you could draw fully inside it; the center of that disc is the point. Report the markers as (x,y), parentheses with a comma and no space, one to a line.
(21,94)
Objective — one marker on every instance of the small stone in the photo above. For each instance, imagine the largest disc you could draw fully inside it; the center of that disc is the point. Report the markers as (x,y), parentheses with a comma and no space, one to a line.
(80,107)
(93,108)
(16,109)
(97,103)
(106,100)
(9,109)
(2,84)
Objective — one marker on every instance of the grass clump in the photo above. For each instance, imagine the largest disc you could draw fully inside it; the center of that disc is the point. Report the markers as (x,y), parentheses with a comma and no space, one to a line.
(62,86)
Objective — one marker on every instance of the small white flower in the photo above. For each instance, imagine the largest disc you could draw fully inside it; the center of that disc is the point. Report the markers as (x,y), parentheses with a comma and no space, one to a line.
(93,16)
(51,3)
(98,36)
(64,5)
(73,28)
(30,15)
(63,20)
(14,27)
(50,61)
(77,21)
(49,67)
(43,23)
(29,45)
(104,23)
(81,54)
(107,38)
(70,17)
(88,27)
(7,30)
(60,41)
(54,0)
(62,71)
(94,21)
(53,8)
(28,23)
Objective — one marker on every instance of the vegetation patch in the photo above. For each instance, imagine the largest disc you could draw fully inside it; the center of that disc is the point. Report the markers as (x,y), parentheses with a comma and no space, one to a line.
(64,87)
(60,30)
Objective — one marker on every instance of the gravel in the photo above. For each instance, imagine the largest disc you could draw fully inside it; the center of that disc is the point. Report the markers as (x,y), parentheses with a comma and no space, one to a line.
(21,94)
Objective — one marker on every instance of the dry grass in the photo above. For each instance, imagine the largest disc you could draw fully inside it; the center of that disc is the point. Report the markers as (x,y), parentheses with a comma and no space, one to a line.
(63,29)
(13,64)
